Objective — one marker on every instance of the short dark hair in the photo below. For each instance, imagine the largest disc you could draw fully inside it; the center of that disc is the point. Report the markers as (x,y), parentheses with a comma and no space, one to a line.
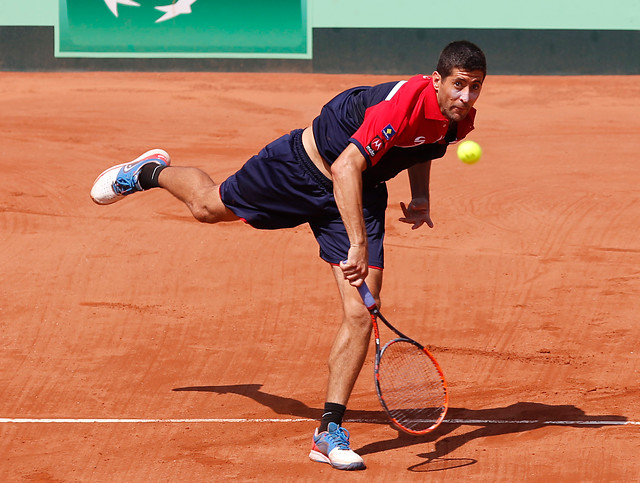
(463,55)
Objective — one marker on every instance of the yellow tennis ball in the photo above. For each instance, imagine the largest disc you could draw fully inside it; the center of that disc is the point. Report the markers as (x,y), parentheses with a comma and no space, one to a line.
(469,152)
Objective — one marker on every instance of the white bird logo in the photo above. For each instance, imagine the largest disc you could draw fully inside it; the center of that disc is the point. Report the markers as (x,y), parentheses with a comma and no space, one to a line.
(113,5)
(175,9)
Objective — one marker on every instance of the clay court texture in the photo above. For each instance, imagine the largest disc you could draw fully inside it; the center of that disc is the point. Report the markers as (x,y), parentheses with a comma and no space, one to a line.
(140,345)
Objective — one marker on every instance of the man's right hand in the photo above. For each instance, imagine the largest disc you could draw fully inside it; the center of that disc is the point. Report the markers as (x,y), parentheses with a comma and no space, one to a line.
(356,268)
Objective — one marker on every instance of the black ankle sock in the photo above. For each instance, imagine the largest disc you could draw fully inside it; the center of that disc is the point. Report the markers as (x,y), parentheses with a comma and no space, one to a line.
(333,413)
(148,177)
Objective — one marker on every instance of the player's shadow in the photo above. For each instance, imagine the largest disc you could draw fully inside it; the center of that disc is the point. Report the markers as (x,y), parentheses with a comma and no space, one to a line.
(283,405)
(515,418)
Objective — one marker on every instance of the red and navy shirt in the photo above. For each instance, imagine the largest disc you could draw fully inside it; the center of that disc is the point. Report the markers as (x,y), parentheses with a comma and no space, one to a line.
(394,125)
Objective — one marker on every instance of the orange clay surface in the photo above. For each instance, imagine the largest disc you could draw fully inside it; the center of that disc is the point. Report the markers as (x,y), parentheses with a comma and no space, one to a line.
(527,290)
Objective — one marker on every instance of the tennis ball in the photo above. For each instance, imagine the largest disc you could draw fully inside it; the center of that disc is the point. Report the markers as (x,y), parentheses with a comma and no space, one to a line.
(469,152)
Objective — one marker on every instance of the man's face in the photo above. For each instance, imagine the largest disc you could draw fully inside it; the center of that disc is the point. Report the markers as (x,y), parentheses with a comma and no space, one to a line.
(458,92)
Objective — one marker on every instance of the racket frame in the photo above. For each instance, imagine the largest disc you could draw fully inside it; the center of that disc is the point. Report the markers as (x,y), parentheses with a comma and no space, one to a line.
(372,307)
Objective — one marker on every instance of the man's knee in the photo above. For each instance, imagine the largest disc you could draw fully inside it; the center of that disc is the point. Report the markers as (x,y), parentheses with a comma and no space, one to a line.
(207,207)
(203,214)
(357,315)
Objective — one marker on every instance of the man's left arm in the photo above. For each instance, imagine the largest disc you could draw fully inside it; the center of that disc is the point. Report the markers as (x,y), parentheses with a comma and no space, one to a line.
(418,211)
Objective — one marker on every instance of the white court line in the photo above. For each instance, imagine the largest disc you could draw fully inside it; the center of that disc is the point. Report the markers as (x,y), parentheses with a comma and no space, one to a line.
(129,420)
(472,422)
(533,421)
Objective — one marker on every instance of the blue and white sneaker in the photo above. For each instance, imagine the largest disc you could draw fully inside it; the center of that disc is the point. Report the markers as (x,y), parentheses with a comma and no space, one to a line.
(119,181)
(332,447)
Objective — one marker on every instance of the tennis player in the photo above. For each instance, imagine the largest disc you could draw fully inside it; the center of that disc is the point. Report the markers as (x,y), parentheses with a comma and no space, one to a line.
(332,176)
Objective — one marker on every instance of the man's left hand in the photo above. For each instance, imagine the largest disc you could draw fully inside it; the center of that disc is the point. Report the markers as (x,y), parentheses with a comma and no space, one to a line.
(417,213)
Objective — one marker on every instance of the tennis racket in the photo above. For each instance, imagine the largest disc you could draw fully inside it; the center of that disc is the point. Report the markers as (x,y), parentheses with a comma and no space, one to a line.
(409,382)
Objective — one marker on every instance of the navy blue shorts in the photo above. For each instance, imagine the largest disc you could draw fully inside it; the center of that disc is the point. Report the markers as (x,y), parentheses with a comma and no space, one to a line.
(282,188)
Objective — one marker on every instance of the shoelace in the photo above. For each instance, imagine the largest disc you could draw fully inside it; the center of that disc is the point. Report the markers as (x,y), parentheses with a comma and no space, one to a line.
(339,438)
(124,185)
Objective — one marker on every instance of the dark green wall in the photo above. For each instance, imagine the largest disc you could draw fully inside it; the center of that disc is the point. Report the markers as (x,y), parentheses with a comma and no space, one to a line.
(370,51)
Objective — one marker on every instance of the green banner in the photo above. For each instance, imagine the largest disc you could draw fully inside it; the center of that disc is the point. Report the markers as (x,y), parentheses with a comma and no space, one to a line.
(183,28)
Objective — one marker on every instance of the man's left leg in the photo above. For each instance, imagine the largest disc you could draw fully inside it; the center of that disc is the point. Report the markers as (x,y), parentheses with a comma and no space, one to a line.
(350,346)
(348,353)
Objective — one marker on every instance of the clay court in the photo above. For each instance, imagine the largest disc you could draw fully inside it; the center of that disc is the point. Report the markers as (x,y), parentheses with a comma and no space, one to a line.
(140,345)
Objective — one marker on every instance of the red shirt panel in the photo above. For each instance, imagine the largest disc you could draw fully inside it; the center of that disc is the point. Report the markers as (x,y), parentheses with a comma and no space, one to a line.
(409,116)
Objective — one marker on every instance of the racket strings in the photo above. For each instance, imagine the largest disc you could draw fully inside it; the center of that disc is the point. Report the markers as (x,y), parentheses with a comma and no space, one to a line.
(411,386)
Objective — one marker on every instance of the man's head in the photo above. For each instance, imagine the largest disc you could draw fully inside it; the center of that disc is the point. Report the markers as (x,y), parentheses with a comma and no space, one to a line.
(458,78)
(464,55)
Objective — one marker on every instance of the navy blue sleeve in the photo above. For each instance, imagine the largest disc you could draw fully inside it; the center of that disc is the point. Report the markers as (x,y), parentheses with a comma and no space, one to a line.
(341,117)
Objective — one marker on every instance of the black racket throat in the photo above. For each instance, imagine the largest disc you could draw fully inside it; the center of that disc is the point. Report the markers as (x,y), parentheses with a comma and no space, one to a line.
(378,316)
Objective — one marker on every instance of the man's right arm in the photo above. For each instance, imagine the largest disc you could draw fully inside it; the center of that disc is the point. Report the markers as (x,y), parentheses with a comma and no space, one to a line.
(346,172)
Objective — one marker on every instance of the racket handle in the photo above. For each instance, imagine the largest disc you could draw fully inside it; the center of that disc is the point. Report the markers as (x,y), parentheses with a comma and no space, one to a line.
(367,298)
(365,294)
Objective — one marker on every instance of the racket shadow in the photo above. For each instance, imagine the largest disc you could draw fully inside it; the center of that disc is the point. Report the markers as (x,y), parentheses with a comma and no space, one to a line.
(515,418)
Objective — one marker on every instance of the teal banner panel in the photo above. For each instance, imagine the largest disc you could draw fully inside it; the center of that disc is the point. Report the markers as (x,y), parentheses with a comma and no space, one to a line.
(183,28)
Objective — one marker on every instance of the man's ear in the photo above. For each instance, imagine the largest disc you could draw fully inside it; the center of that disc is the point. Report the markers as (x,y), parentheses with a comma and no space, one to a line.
(437,79)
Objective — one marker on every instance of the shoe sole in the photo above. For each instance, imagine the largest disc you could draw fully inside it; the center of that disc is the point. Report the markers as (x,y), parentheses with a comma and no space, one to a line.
(95,196)
(321,458)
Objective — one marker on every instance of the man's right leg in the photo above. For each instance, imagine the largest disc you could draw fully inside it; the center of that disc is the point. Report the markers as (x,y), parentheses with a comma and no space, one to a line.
(190,185)
(197,190)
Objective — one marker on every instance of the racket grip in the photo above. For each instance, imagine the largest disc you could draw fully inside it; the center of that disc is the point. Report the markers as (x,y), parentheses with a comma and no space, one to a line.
(365,294)
(367,298)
